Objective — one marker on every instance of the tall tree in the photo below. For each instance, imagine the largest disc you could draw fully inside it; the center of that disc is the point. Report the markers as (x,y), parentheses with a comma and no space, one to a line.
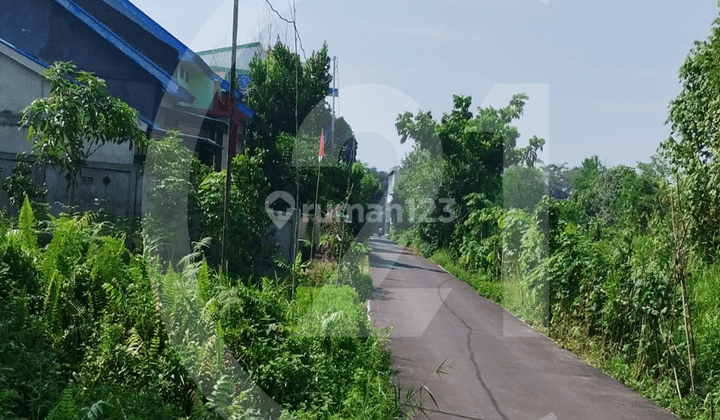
(523,187)
(281,88)
(476,150)
(77,119)
(559,186)
(694,145)
(421,128)
(583,177)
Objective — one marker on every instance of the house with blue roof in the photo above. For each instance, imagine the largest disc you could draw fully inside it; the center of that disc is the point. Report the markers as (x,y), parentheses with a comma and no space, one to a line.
(172,87)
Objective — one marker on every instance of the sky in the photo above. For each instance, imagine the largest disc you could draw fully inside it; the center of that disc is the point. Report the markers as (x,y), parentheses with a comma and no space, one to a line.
(599,75)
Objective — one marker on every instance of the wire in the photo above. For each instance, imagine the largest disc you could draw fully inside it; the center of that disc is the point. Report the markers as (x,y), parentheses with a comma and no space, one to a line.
(293,23)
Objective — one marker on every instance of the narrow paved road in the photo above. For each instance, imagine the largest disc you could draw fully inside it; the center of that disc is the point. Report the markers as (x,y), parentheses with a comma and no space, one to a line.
(498,367)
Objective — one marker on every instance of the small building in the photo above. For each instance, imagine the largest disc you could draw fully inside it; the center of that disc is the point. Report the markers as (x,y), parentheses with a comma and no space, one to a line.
(220,59)
(389,210)
(172,87)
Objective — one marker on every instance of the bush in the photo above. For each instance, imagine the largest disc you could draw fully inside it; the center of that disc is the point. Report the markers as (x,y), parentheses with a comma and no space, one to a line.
(247,217)
(482,283)
(20,185)
(335,312)
(30,372)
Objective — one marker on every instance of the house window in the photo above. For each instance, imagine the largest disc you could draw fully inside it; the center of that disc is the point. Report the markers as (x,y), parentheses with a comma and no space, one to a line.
(184,75)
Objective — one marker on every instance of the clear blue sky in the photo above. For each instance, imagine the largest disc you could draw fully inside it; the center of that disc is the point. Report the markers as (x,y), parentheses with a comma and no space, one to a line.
(600,74)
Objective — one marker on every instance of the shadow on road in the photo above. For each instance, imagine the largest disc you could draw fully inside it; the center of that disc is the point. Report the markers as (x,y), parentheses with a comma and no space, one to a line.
(379,262)
(378,293)
(390,249)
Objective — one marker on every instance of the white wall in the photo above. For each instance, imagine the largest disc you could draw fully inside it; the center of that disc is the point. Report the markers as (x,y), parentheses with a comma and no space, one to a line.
(20,84)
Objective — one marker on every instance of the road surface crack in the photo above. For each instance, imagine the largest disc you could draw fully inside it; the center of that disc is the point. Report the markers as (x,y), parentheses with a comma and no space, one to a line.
(472,354)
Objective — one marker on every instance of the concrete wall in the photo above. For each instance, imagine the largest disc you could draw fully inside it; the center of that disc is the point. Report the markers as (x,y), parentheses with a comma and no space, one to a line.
(110,175)
(20,84)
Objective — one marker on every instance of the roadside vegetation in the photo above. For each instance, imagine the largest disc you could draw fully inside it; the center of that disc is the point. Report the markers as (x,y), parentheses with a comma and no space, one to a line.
(617,264)
(91,330)
(108,318)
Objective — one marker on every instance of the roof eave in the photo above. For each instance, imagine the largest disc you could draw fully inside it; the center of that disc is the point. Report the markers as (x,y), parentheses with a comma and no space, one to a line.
(169,83)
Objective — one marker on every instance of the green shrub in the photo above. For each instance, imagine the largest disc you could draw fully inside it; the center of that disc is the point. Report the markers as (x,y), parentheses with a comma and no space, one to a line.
(335,312)
(20,185)
(247,217)
(30,372)
(483,284)
(353,270)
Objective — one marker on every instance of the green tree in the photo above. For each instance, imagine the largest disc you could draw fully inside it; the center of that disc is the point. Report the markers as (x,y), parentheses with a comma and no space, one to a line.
(658,167)
(694,145)
(583,176)
(20,185)
(381,176)
(167,180)
(282,88)
(619,197)
(421,128)
(559,186)
(523,187)
(247,217)
(417,186)
(476,150)
(77,119)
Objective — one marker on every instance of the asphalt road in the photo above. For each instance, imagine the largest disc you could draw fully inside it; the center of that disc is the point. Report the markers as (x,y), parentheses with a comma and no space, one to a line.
(498,368)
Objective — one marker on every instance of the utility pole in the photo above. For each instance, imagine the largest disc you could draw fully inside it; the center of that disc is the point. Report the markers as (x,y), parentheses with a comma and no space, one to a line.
(334,94)
(232,140)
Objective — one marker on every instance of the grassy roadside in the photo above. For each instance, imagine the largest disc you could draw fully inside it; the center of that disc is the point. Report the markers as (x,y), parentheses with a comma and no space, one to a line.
(487,288)
(92,330)
(597,354)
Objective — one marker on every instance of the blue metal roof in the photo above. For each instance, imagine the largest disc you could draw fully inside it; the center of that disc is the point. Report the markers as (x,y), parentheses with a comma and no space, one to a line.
(24,53)
(168,82)
(133,13)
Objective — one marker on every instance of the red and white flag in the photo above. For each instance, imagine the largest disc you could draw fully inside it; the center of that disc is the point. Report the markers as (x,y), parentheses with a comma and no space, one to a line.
(321,153)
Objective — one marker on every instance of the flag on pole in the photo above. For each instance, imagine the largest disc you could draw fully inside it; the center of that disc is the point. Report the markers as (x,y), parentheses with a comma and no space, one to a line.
(321,153)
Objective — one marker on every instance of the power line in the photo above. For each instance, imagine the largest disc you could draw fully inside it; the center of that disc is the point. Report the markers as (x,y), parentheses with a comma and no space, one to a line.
(292,22)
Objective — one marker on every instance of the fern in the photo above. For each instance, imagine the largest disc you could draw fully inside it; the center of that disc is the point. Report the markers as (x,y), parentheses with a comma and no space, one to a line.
(203,283)
(134,343)
(64,408)
(26,223)
(114,291)
(223,393)
(96,410)
(52,296)
(155,341)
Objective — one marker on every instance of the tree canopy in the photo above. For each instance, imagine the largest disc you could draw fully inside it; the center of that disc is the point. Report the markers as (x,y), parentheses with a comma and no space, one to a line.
(78,118)
(460,155)
(279,82)
(694,145)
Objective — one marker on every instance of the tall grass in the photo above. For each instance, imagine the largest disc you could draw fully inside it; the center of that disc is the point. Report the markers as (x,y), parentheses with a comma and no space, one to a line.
(482,283)
(705,298)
